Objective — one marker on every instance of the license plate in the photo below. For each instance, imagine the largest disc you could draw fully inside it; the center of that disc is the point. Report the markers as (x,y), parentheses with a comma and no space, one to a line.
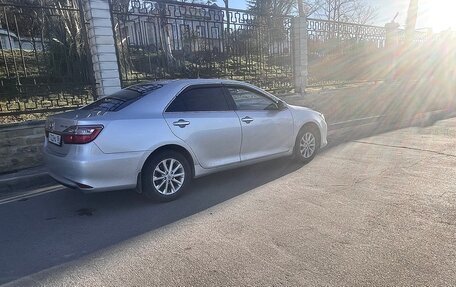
(55,139)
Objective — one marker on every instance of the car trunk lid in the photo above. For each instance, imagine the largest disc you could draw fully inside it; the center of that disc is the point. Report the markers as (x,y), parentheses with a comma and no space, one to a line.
(57,124)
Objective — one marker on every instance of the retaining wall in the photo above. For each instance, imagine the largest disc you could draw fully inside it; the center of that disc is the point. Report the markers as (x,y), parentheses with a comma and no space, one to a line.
(21,146)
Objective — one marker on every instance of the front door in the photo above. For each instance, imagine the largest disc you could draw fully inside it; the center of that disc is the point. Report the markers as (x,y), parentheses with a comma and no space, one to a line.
(202,118)
(266,129)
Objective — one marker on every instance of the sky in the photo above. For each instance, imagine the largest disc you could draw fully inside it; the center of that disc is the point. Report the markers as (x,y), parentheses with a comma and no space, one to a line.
(435,14)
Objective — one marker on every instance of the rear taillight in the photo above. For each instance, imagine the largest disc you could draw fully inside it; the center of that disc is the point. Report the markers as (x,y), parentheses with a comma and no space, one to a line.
(81,134)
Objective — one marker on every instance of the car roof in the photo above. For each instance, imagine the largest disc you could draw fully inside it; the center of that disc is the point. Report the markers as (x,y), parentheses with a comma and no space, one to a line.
(186,82)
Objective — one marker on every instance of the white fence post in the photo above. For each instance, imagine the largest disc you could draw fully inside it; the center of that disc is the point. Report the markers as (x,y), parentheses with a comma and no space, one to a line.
(299,28)
(102,46)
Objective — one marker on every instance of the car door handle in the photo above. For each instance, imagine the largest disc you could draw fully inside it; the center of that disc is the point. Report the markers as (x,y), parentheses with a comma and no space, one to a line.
(247,120)
(181,123)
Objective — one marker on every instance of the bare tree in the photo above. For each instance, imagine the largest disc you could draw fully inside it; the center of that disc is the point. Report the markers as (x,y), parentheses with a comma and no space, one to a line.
(271,7)
(363,14)
(58,42)
(285,7)
(356,11)
(311,6)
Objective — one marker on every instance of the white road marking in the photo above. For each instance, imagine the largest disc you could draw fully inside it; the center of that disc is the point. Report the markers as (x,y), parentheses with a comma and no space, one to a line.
(31,193)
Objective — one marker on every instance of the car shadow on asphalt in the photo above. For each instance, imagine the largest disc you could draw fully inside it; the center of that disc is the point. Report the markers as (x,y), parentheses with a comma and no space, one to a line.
(52,229)
(55,228)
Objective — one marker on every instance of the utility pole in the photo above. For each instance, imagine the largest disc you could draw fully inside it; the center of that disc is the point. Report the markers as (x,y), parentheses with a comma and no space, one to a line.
(227,14)
(301,8)
(228,26)
(412,16)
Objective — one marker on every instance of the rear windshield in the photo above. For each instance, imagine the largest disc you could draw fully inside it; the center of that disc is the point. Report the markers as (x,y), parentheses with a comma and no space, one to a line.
(122,98)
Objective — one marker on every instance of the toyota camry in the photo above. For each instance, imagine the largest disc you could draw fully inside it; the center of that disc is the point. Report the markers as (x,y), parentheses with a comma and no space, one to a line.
(158,136)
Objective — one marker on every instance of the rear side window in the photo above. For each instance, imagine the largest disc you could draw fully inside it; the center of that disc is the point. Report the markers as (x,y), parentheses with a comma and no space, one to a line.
(122,98)
(200,100)
(108,104)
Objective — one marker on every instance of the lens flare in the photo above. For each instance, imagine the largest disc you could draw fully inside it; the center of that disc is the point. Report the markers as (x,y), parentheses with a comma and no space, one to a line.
(438,14)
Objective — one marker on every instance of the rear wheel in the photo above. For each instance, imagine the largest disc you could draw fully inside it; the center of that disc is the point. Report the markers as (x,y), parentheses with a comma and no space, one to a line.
(307,144)
(165,176)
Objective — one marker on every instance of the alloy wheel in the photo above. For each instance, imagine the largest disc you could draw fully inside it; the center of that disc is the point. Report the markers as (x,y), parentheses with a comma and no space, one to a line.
(307,145)
(168,176)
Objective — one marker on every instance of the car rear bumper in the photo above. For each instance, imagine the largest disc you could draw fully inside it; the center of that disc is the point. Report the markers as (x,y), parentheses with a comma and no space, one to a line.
(95,171)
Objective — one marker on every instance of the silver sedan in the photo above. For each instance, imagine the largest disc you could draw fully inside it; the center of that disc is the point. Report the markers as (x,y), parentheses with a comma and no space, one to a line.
(157,136)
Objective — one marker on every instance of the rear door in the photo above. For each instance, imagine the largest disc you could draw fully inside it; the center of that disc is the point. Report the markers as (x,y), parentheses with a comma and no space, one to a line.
(266,129)
(202,117)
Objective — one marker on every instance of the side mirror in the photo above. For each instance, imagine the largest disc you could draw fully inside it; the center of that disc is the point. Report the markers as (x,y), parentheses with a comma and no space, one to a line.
(281,105)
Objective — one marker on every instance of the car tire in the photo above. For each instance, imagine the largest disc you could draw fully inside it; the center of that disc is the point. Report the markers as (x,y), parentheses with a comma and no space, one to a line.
(307,144)
(165,176)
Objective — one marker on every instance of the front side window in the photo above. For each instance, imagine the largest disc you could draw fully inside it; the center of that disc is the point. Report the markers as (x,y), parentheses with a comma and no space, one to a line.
(248,100)
(200,100)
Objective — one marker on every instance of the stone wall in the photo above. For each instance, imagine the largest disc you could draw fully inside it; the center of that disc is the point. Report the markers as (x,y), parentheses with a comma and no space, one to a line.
(21,146)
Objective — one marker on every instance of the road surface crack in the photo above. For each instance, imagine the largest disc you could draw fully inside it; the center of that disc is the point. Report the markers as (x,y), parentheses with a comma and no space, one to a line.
(407,147)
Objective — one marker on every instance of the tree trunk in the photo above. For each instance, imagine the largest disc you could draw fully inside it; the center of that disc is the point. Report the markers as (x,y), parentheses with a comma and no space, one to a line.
(165,36)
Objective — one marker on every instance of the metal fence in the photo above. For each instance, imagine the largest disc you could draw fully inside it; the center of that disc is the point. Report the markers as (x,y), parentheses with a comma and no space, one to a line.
(168,39)
(44,61)
(345,52)
(420,55)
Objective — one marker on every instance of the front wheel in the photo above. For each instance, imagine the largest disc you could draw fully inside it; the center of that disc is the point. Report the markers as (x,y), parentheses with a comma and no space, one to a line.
(307,144)
(165,176)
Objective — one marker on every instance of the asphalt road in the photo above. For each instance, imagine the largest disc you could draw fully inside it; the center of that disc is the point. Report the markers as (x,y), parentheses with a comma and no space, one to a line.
(380,210)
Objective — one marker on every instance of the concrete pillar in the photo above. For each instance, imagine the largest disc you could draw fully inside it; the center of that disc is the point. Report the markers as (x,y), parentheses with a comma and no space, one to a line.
(392,44)
(299,36)
(102,46)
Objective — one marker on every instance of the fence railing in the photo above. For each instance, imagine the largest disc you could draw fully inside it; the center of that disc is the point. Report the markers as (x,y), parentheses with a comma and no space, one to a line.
(427,56)
(168,39)
(44,60)
(345,52)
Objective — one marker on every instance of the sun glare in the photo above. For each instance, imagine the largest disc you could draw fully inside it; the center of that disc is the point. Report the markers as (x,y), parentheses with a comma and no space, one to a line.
(438,14)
